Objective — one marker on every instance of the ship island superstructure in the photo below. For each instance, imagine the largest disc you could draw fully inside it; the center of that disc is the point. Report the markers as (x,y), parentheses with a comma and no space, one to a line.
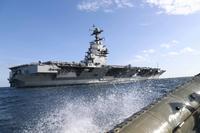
(93,69)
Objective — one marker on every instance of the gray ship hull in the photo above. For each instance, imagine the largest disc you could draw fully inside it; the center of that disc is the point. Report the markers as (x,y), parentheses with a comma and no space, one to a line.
(40,82)
(44,75)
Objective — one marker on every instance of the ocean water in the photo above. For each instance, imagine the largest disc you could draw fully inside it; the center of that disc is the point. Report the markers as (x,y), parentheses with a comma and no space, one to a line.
(77,109)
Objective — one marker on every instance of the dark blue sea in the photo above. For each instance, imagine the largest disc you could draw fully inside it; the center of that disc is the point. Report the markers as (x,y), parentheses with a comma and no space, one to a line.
(77,109)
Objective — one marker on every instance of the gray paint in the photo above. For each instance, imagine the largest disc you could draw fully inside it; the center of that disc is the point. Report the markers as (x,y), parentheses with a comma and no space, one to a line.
(178,112)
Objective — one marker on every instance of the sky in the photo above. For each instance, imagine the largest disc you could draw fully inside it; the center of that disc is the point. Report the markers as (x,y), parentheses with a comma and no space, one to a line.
(154,33)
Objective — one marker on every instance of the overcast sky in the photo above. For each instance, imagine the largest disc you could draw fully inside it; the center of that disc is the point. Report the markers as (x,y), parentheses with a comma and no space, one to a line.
(164,33)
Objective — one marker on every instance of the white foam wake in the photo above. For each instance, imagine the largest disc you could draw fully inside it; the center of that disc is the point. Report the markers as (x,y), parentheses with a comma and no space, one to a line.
(96,115)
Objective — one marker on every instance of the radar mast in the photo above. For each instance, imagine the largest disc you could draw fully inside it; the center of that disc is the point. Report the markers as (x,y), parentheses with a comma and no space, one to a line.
(96,32)
(96,56)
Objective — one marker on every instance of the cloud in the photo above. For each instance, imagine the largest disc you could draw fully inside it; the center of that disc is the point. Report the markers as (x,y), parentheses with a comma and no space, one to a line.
(176,51)
(140,58)
(175,41)
(171,7)
(176,7)
(169,44)
(186,50)
(165,45)
(173,53)
(149,51)
(105,5)
(144,55)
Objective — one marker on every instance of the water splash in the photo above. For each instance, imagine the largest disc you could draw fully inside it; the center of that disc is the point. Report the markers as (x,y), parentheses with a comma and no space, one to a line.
(92,114)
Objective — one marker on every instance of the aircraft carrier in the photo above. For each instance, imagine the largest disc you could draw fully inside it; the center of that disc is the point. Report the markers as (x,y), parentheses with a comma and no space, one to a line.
(93,69)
